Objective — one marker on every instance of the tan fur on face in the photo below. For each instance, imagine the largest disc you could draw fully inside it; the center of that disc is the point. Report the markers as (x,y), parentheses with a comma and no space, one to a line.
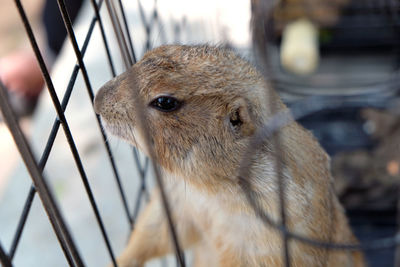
(199,149)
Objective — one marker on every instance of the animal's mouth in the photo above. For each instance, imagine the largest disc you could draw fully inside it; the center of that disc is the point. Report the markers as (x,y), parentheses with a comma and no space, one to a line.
(112,128)
(119,130)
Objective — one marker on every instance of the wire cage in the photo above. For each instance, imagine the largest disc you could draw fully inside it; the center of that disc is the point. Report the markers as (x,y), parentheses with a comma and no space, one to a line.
(303,95)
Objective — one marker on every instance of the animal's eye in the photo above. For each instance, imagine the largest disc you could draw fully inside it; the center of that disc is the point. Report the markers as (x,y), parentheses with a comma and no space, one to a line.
(166,103)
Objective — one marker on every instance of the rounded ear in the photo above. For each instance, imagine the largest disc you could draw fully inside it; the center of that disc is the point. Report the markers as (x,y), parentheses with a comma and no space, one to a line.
(240,119)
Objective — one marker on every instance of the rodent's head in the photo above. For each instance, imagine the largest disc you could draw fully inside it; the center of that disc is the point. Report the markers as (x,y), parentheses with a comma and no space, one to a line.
(201,103)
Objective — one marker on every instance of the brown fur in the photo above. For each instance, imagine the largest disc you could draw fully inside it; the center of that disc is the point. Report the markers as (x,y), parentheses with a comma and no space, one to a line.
(199,151)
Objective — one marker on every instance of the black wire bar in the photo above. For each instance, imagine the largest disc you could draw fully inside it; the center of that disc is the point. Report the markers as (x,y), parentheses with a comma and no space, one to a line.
(54,131)
(71,34)
(79,55)
(4,259)
(42,163)
(51,139)
(180,257)
(271,132)
(259,38)
(142,189)
(57,221)
(143,125)
(103,36)
(119,33)
(148,24)
(128,35)
(22,221)
(53,95)
(91,95)
(128,61)
(301,109)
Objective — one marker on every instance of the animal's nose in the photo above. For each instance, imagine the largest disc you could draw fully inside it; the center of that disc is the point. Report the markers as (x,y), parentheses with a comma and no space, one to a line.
(98,100)
(112,91)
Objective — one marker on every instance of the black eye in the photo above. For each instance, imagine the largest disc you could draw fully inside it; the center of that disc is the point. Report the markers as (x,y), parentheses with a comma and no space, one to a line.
(166,103)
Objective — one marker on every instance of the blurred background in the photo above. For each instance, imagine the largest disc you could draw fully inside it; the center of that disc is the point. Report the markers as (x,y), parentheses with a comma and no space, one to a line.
(13,36)
(344,53)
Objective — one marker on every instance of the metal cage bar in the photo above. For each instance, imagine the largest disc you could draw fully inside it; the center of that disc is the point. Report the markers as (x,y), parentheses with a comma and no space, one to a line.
(259,39)
(60,108)
(301,109)
(4,258)
(47,150)
(60,228)
(128,60)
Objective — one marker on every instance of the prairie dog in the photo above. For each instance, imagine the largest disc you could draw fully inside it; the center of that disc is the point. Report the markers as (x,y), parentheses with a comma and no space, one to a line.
(203,104)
